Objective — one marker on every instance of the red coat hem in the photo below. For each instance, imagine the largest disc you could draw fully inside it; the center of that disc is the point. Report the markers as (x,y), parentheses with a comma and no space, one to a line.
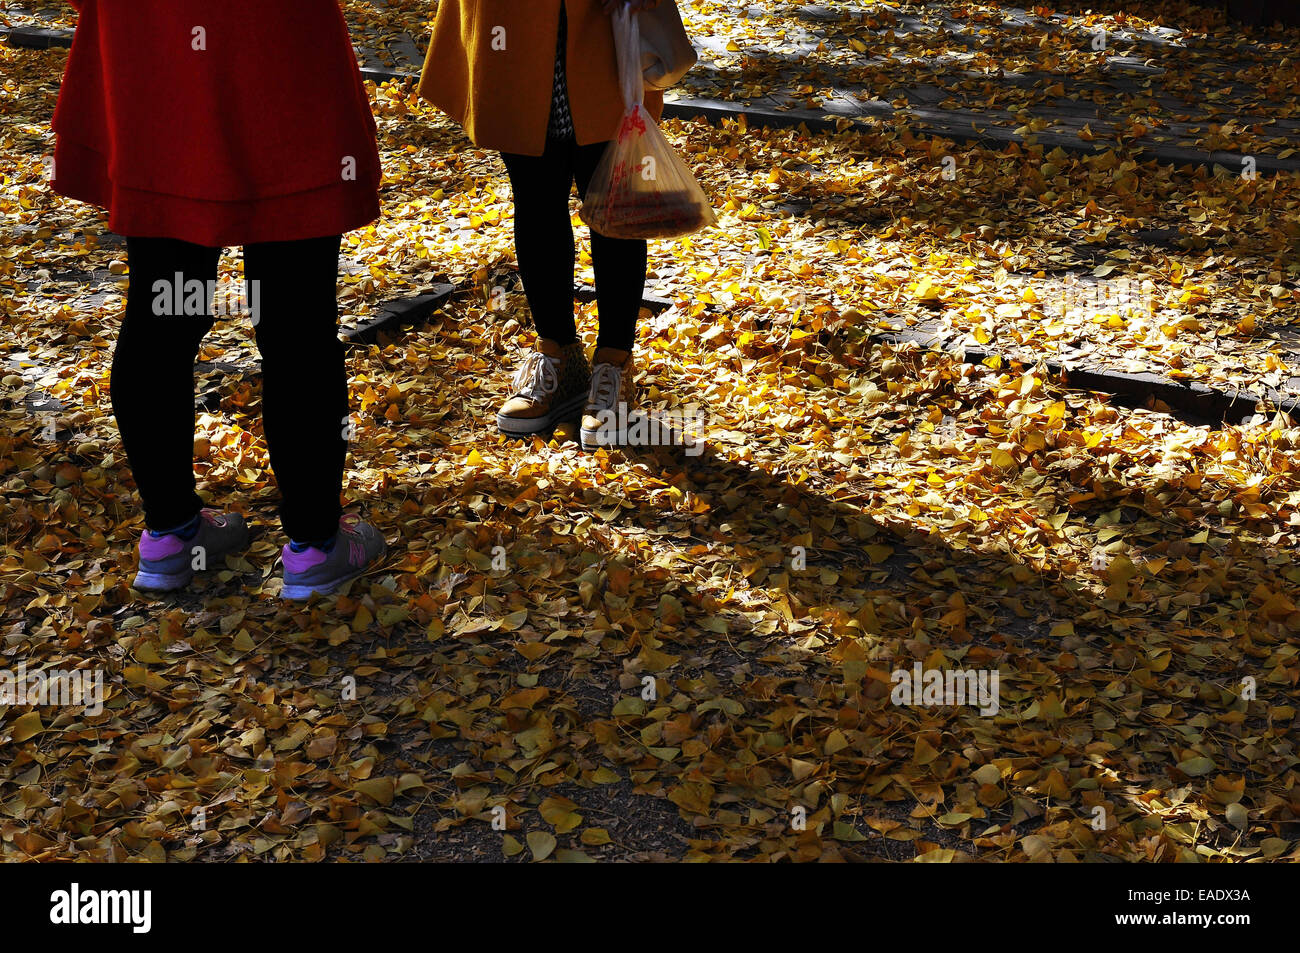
(82,174)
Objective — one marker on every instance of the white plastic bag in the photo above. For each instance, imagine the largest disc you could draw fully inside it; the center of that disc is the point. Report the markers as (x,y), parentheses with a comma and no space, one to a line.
(641,188)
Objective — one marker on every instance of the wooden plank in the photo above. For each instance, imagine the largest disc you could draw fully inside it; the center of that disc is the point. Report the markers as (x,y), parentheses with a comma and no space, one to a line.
(398,313)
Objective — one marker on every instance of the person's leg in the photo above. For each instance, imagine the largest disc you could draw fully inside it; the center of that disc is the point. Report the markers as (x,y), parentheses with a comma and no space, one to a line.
(544,237)
(619,264)
(152,378)
(293,288)
(552,384)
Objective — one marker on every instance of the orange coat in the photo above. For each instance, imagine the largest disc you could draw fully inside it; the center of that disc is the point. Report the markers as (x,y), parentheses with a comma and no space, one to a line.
(491,67)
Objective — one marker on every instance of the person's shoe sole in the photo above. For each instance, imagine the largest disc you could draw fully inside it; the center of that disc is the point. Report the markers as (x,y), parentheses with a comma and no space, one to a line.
(528,426)
(591,440)
(162,581)
(303,593)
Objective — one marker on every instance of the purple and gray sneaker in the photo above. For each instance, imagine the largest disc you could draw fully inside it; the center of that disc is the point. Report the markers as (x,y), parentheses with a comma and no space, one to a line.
(170,561)
(358,547)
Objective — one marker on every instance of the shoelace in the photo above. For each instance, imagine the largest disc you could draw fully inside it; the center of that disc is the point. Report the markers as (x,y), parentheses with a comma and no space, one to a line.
(606,385)
(538,377)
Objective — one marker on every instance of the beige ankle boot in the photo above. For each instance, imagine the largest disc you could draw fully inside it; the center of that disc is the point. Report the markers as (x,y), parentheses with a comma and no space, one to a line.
(549,386)
(613,384)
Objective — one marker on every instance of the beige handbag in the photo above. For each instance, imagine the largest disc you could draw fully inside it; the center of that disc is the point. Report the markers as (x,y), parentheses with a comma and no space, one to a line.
(666,50)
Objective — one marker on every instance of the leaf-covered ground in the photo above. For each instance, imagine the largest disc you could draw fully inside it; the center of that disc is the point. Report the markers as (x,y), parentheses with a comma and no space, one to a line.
(1126,572)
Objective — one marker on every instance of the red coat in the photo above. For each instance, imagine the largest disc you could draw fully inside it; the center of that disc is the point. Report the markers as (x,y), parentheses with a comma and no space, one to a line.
(219,123)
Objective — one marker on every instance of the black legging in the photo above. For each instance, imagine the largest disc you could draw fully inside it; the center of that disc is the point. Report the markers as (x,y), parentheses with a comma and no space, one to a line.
(304,381)
(545,248)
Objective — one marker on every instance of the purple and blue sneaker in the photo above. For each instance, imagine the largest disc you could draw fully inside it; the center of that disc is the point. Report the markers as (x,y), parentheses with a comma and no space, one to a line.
(358,546)
(169,560)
